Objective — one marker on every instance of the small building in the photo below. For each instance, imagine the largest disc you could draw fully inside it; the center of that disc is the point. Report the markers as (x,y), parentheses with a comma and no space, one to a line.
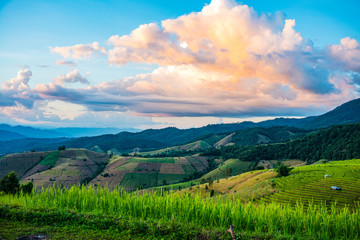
(335,188)
(327,176)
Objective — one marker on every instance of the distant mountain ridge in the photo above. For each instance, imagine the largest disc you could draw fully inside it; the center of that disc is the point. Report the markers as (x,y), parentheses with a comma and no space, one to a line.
(152,139)
(19,132)
(7,135)
(348,112)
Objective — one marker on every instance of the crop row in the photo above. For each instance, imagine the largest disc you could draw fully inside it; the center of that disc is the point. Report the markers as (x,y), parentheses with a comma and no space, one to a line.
(320,192)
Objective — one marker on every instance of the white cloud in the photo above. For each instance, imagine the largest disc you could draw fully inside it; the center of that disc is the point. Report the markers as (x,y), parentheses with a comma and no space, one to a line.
(20,83)
(72,77)
(346,54)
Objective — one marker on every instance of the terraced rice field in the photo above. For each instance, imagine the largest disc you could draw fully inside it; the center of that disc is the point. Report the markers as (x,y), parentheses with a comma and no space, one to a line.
(132,173)
(66,168)
(309,185)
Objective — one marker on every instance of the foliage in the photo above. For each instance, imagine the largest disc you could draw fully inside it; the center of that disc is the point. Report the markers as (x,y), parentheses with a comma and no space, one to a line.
(335,143)
(27,188)
(283,170)
(9,184)
(62,148)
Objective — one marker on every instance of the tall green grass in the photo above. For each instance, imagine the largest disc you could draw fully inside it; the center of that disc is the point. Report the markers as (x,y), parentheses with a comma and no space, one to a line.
(315,222)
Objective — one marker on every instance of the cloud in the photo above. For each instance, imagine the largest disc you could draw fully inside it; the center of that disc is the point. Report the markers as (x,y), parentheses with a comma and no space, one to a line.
(72,77)
(17,91)
(20,83)
(232,39)
(226,60)
(346,54)
(65,62)
(79,51)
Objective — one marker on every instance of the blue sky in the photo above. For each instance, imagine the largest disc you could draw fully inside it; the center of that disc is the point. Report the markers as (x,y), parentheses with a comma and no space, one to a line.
(55,80)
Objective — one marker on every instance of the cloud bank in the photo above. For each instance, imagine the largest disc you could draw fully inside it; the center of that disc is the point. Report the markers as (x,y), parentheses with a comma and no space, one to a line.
(225,61)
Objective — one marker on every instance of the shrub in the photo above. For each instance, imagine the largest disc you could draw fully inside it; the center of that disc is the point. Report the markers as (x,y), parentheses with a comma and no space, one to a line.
(10,183)
(62,148)
(27,188)
(283,170)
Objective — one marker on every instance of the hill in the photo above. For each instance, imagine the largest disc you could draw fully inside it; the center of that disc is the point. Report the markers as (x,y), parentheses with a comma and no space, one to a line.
(65,168)
(335,143)
(155,139)
(133,173)
(310,184)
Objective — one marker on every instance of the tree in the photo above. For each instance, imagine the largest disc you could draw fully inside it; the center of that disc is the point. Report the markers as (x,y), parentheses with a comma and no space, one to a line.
(62,148)
(283,170)
(27,188)
(10,183)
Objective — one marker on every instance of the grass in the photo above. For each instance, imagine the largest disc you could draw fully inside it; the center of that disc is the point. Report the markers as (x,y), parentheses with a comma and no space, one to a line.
(18,222)
(50,159)
(82,204)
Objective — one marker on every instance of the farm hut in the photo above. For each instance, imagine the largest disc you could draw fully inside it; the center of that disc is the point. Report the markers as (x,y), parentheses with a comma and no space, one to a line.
(335,188)
(327,176)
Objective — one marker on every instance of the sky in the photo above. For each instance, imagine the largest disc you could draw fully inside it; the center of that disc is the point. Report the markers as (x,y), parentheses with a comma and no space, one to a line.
(152,64)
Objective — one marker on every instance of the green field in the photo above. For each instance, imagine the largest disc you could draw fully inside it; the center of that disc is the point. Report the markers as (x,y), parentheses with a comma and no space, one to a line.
(277,221)
(51,159)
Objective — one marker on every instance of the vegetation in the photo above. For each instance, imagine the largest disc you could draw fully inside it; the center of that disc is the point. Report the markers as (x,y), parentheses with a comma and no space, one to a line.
(335,143)
(283,170)
(62,148)
(314,222)
(9,184)
(50,160)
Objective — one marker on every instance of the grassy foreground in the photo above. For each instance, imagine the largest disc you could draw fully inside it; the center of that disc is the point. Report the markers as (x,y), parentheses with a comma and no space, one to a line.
(176,216)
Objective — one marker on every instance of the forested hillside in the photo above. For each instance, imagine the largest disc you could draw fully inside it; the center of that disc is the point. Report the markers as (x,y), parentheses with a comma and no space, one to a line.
(336,143)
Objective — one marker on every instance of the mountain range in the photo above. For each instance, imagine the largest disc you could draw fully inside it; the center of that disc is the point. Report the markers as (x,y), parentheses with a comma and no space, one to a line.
(153,139)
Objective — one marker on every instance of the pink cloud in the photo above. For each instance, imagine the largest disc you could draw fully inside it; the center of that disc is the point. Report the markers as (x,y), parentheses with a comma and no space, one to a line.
(79,50)
(72,77)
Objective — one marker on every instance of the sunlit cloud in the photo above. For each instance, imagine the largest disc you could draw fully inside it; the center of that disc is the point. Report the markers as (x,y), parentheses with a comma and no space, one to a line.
(225,61)
(79,51)
(72,77)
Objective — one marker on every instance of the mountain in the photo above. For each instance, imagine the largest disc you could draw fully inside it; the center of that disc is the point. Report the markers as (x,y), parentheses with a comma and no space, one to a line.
(31,132)
(90,132)
(30,144)
(153,139)
(348,112)
(335,143)
(8,136)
